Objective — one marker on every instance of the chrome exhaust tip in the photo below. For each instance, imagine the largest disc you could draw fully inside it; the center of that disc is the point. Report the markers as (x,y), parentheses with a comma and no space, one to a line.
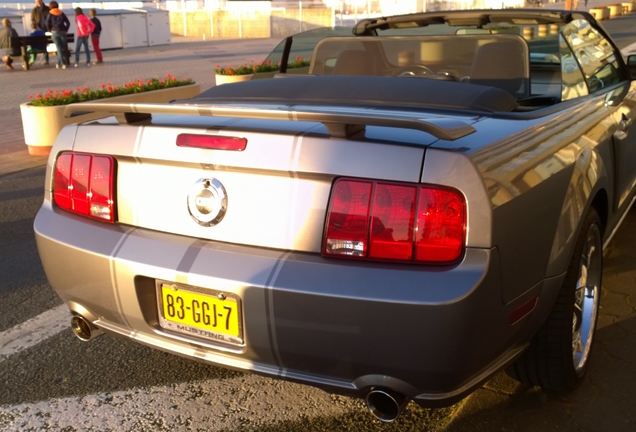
(84,329)
(385,405)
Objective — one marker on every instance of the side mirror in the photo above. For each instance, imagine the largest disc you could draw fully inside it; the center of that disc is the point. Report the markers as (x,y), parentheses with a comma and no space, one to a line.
(631,66)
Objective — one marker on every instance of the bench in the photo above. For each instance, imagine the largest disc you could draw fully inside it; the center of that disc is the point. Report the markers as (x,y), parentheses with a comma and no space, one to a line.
(21,43)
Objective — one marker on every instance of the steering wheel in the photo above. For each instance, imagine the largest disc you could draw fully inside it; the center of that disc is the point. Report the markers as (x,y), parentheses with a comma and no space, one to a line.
(414,70)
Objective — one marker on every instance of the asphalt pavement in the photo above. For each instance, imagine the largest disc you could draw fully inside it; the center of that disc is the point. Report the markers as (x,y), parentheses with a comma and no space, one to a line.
(605,400)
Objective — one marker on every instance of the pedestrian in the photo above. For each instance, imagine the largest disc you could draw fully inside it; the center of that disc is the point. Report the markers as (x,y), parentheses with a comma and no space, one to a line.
(39,14)
(84,29)
(57,23)
(35,49)
(95,35)
(6,33)
(585,3)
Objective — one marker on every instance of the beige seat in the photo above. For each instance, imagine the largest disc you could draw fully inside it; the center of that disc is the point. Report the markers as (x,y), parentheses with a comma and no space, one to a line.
(503,63)
(354,62)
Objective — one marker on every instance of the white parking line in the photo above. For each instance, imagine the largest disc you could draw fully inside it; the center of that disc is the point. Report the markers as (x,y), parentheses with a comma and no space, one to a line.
(33,331)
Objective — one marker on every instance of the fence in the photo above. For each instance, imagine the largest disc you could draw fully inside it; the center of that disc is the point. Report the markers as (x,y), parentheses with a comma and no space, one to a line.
(224,19)
(278,19)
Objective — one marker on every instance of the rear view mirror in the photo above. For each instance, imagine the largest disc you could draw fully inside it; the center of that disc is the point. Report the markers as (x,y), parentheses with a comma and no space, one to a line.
(467,31)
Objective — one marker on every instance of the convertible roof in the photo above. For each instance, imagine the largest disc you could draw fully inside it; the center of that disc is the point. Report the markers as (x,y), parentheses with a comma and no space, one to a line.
(363,91)
(466,18)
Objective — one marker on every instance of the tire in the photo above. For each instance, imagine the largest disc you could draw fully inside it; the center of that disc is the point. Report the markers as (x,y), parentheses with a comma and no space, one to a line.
(558,355)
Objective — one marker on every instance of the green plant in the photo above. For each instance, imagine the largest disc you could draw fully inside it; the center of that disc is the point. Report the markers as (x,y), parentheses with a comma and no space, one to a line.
(246,69)
(261,66)
(298,63)
(65,97)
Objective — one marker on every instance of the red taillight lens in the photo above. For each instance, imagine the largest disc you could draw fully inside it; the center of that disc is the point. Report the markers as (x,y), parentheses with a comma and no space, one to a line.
(388,221)
(84,184)
(392,222)
(348,223)
(213,142)
(441,224)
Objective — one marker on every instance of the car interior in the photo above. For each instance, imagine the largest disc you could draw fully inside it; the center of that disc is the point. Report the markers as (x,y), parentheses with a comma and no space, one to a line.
(557,59)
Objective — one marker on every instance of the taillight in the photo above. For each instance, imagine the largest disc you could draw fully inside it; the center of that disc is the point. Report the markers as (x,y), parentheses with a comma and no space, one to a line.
(84,184)
(212,142)
(397,222)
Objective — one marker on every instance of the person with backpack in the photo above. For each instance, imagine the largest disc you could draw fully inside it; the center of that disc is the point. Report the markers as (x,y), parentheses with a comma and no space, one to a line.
(57,23)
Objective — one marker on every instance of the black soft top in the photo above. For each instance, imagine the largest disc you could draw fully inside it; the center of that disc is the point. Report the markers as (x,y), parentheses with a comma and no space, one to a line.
(363,91)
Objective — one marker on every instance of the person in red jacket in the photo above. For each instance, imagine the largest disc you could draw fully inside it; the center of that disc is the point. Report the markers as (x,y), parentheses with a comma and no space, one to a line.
(84,29)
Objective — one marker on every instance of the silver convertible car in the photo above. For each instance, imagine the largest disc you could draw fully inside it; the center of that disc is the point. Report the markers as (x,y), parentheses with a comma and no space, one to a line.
(423,205)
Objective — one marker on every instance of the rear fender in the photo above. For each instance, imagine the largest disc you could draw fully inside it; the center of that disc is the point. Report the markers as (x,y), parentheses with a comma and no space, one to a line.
(589,180)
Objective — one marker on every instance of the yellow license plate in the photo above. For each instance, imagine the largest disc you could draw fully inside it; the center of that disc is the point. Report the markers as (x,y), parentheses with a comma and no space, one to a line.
(192,309)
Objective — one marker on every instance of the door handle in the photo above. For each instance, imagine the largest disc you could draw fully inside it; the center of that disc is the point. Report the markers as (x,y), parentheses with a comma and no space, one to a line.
(625,123)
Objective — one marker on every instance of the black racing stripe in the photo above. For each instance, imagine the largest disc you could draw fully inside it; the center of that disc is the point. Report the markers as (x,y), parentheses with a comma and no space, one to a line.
(269,298)
(188,258)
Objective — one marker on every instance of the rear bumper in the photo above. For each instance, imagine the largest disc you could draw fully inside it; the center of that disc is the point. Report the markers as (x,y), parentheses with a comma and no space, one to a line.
(430,333)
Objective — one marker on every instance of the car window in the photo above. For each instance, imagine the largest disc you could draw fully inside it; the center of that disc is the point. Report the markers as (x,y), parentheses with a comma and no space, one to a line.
(467,57)
(302,47)
(594,54)
(573,82)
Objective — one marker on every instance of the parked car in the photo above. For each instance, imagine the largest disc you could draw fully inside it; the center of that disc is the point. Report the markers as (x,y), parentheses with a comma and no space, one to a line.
(426,205)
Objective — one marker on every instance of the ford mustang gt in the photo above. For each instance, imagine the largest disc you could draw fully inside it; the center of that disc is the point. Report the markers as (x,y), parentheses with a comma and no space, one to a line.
(423,205)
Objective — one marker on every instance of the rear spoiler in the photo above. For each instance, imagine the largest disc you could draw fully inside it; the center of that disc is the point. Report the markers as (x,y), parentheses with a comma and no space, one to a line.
(339,124)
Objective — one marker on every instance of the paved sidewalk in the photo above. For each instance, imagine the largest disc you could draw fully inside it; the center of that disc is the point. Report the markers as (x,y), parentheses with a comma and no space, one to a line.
(195,60)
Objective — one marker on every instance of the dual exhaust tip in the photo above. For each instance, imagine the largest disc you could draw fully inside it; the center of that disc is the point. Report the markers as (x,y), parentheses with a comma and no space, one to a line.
(84,329)
(385,405)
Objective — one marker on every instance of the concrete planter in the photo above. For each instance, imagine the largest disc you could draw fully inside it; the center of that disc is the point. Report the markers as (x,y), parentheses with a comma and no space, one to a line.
(615,10)
(505,30)
(228,79)
(600,13)
(42,124)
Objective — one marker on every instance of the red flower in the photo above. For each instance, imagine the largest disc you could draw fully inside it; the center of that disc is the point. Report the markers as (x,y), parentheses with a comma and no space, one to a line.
(102,86)
(85,89)
(168,75)
(30,96)
(38,96)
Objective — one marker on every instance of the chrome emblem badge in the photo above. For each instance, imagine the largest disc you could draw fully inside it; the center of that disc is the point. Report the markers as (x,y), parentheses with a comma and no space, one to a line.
(207,201)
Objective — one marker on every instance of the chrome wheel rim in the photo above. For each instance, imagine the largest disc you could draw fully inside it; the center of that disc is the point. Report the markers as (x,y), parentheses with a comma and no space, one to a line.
(586,298)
